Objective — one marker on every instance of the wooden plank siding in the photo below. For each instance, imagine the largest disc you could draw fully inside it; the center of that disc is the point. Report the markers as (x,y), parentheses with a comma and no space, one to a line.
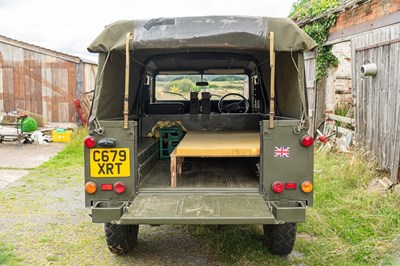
(40,81)
(310,72)
(378,98)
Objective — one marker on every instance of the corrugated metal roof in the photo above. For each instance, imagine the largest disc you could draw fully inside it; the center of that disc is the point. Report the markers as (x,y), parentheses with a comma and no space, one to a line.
(39,49)
(87,61)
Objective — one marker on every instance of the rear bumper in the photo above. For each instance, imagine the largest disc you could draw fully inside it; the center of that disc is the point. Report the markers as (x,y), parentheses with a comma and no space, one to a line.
(199,209)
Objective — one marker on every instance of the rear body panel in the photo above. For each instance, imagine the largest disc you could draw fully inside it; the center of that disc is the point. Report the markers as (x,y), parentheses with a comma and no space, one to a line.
(207,196)
(184,71)
(102,172)
(285,159)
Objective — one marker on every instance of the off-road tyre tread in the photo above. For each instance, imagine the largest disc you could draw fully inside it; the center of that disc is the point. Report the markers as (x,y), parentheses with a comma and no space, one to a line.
(280,238)
(121,239)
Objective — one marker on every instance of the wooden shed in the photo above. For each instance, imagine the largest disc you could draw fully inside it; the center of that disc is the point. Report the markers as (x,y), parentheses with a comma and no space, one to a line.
(42,81)
(368,31)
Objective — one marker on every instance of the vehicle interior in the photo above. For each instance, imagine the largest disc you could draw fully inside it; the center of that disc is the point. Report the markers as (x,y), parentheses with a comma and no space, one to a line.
(204,93)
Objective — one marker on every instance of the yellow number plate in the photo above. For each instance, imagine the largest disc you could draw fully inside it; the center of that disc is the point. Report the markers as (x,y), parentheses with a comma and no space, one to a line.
(110,162)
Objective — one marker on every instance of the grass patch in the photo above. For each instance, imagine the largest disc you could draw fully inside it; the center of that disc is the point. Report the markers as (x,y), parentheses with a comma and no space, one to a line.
(348,225)
(7,256)
(72,155)
(351,224)
(239,245)
(52,258)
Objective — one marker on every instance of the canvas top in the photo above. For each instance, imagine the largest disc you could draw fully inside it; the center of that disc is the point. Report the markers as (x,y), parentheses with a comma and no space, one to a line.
(219,32)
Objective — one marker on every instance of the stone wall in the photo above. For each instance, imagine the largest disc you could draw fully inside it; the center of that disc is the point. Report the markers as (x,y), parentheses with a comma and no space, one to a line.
(338,85)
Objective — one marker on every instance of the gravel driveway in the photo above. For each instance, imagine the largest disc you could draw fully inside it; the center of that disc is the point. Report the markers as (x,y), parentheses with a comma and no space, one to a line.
(44,219)
(16,159)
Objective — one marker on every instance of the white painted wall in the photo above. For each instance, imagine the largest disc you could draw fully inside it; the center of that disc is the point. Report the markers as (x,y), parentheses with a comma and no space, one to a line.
(338,85)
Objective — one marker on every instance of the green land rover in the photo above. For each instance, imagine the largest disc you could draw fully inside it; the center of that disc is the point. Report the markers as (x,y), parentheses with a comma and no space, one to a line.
(200,120)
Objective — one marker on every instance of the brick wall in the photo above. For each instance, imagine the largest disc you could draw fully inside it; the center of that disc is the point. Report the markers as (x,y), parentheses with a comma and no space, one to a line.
(366,12)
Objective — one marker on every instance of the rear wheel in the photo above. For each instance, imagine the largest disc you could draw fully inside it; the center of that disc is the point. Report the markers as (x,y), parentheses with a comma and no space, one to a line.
(280,238)
(121,238)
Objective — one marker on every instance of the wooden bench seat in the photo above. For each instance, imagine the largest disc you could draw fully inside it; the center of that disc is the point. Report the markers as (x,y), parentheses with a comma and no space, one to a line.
(214,144)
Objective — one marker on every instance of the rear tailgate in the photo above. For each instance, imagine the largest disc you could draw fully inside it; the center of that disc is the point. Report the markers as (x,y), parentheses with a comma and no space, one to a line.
(198,209)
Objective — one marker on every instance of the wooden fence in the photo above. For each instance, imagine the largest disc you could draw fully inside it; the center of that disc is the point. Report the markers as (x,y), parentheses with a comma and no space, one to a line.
(377,98)
(309,65)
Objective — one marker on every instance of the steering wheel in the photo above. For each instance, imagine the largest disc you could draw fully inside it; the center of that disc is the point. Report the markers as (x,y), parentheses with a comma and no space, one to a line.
(241,106)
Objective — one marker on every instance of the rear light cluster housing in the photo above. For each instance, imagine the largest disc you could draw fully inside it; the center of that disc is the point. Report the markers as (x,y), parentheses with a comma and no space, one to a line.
(91,187)
(279,187)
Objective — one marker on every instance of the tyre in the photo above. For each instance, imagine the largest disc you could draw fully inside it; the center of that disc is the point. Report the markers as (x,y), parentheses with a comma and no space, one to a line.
(121,238)
(280,238)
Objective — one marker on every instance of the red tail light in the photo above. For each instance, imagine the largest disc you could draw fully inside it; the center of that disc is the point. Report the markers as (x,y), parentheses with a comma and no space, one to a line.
(290,185)
(278,186)
(119,187)
(89,142)
(106,187)
(307,141)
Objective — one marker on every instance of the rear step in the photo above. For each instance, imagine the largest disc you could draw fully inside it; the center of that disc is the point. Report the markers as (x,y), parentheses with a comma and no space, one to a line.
(198,209)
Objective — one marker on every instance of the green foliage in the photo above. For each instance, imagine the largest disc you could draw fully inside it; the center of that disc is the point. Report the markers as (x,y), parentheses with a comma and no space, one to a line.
(318,30)
(229,78)
(196,89)
(311,8)
(341,111)
(182,85)
(193,78)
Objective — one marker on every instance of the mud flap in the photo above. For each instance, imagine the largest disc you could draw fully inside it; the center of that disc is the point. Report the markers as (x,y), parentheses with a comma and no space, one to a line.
(198,209)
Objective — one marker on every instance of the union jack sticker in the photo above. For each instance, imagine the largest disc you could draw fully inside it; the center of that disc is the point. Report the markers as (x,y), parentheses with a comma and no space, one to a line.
(282,152)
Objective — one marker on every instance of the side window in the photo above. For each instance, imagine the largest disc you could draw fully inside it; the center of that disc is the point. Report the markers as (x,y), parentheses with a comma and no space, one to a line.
(178,87)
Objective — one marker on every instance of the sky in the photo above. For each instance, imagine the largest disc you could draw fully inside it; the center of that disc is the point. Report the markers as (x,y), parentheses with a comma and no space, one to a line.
(69,26)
